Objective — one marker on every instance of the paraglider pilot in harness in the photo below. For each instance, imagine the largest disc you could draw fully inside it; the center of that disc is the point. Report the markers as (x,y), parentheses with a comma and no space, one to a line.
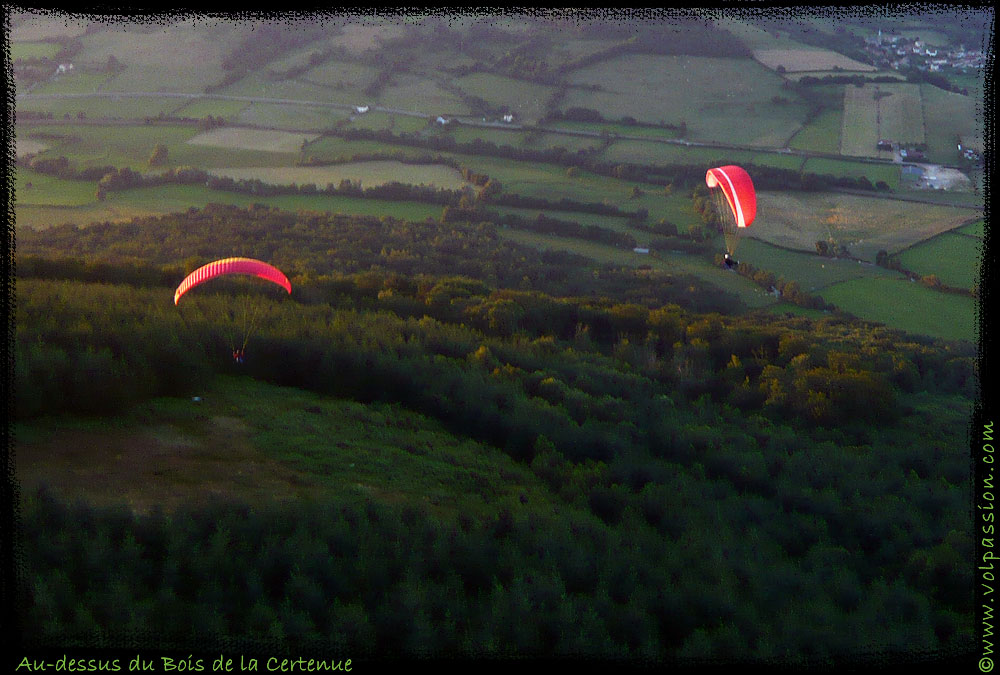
(236,266)
(731,263)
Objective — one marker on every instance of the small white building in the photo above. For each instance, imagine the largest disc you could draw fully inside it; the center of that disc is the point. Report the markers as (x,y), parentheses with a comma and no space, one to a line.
(508,118)
(63,67)
(361,109)
(641,251)
(443,120)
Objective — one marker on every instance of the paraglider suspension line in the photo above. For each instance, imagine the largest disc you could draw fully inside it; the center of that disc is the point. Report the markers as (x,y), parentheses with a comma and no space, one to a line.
(249,326)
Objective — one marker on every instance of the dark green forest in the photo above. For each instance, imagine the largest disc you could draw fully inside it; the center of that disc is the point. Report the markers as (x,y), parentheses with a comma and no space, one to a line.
(734,482)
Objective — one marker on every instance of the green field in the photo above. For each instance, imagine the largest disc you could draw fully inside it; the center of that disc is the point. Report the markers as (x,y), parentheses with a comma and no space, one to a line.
(163,55)
(976,229)
(526,100)
(342,78)
(229,110)
(468,134)
(641,86)
(120,206)
(20,51)
(568,143)
(335,149)
(298,117)
(568,49)
(954,258)
(50,191)
(887,173)
(651,152)
(810,270)
(881,111)
(948,115)
(131,146)
(76,81)
(399,124)
(797,220)
(908,306)
(124,107)
(820,135)
(369,174)
(783,308)
(41,26)
(421,94)
(615,129)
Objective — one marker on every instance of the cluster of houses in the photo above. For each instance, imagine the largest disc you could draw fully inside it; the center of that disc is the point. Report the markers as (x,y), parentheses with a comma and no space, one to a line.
(896,52)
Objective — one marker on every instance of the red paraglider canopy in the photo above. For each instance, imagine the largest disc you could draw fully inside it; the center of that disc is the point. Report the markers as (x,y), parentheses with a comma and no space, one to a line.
(735,183)
(247,266)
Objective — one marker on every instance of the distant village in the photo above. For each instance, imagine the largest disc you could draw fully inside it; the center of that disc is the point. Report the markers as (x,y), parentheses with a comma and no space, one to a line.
(898,52)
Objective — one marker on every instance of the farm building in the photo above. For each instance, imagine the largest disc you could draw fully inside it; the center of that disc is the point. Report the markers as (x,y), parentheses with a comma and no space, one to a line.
(508,118)
(884,145)
(642,251)
(443,120)
(361,109)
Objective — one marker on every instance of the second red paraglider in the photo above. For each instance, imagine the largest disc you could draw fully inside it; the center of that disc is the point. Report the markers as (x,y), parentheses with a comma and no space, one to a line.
(735,199)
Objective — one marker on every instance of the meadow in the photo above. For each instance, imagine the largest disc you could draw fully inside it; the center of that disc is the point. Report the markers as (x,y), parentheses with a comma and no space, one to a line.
(421,94)
(298,117)
(526,100)
(369,174)
(50,191)
(614,129)
(20,51)
(811,271)
(799,60)
(163,55)
(949,115)
(976,229)
(124,107)
(906,305)
(77,81)
(398,124)
(131,146)
(726,88)
(953,258)
(874,172)
(254,139)
(864,224)
(48,27)
(881,111)
(122,206)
